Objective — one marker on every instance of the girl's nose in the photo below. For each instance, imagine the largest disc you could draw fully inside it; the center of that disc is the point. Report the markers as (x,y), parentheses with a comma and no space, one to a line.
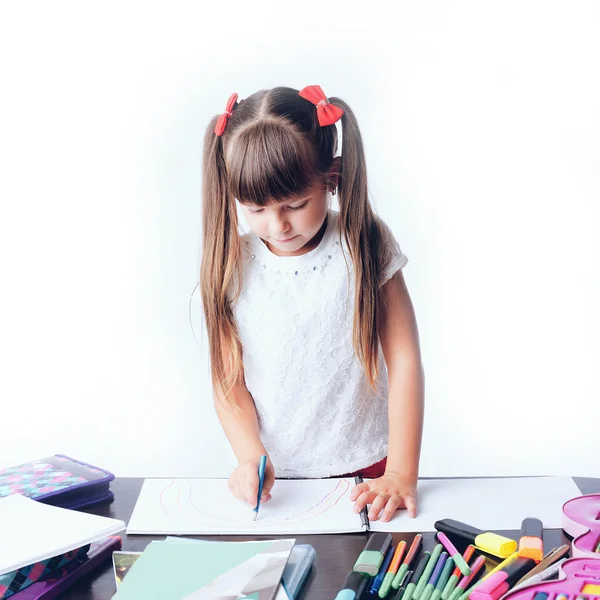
(279,226)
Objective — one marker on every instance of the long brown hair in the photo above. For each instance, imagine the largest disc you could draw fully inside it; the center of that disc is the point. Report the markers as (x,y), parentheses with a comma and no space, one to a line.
(273,148)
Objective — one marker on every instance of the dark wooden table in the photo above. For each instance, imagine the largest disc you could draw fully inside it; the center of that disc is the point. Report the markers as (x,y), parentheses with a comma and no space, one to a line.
(336,553)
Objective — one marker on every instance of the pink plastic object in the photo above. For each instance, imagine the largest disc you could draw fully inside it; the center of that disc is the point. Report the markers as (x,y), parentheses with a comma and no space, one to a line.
(576,577)
(580,521)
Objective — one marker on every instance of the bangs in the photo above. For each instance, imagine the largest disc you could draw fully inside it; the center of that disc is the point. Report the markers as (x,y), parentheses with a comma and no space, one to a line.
(270,161)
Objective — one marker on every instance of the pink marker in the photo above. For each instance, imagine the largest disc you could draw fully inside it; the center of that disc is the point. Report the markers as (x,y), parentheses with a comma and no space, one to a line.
(459,561)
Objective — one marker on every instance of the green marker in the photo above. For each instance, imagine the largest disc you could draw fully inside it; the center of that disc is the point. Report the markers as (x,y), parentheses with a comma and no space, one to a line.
(406,565)
(386,584)
(435,576)
(443,580)
(450,585)
(428,571)
(412,586)
(403,585)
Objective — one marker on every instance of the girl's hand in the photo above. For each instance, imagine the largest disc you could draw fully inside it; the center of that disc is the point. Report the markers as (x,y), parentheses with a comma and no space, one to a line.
(386,494)
(243,482)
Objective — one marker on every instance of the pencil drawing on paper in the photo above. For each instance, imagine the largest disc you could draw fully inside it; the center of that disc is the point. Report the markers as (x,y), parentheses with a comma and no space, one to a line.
(187,501)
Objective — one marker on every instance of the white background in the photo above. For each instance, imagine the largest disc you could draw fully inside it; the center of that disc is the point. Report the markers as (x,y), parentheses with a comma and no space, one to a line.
(481,122)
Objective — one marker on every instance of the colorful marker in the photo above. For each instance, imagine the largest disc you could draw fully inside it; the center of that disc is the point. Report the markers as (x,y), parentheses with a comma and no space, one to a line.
(412,586)
(531,544)
(502,565)
(443,580)
(370,559)
(554,556)
(435,576)
(393,570)
(410,557)
(489,542)
(385,565)
(453,552)
(403,585)
(500,582)
(465,582)
(428,571)
(548,573)
(454,578)
(354,586)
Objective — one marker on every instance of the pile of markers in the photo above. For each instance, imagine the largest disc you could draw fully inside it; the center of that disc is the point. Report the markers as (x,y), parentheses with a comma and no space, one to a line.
(395,573)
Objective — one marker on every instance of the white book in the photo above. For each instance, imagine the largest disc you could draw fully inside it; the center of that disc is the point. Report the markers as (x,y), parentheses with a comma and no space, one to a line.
(31,531)
(308,506)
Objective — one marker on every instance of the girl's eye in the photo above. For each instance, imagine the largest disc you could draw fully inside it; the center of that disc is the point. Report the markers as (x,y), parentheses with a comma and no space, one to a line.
(298,207)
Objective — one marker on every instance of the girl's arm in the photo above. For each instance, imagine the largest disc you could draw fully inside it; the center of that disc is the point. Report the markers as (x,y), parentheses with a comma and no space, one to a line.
(241,429)
(400,344)
(399,339)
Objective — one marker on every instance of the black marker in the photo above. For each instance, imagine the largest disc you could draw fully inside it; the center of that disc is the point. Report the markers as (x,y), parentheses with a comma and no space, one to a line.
(363,513)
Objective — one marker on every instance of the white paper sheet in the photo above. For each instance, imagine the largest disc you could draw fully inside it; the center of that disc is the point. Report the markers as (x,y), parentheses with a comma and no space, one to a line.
(495,503)
(31,531)
(206,506)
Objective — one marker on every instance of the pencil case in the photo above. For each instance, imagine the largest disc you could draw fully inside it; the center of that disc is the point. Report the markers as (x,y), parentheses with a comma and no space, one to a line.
(297,568)
(58,480)
(55,586)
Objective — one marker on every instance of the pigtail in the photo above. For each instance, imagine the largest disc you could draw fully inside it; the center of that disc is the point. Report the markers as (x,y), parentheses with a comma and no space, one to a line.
(362,232)
(220,269)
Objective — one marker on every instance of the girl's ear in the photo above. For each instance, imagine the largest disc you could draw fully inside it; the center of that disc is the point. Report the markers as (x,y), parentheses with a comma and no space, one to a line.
(334,174)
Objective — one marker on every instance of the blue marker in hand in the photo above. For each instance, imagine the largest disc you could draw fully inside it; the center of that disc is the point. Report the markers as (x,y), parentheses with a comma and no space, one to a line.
(262,467)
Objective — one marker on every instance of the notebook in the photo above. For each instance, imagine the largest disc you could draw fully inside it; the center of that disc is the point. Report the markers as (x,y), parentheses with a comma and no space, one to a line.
(200,570)
(309,506)
(58,480)
(32,531)
(295,572)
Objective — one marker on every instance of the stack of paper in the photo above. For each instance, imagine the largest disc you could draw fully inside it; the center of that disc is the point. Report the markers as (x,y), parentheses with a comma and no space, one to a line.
(32,531)
(202,570)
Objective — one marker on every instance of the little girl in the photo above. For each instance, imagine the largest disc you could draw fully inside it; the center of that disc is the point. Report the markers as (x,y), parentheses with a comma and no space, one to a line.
(314,348)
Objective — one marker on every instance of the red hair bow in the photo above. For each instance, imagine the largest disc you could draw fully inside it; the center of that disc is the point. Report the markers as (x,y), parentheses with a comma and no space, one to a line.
(327,113)
(223,118)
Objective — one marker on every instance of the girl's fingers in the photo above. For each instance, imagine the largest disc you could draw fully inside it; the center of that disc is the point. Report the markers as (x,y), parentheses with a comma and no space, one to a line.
(377,506)
(357,490)
(363,499)
(390,508)
(411,506)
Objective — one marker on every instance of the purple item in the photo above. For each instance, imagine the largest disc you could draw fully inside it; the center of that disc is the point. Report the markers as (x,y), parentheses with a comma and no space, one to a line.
(580,521)
(58,480)
(51,588)
(439,567)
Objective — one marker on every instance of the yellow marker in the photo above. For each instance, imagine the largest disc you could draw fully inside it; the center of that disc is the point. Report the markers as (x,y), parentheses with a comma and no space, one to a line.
(489,542)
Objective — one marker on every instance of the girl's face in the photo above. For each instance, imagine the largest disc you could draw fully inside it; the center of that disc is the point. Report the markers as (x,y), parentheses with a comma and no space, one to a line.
(290,227)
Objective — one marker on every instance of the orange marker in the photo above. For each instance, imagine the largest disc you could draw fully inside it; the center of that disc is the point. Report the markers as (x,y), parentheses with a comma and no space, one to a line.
(530,543)
(410,556)
(393,568)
